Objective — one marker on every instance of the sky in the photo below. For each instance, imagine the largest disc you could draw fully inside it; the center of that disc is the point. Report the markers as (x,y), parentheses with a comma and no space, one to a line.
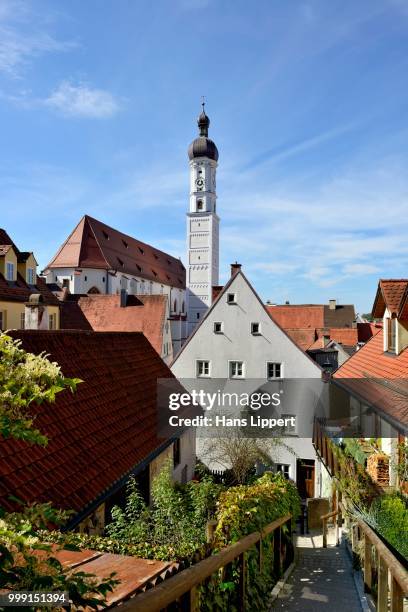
(308,102)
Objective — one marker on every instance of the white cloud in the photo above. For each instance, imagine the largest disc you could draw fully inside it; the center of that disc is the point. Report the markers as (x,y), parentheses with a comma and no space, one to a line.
(360,269)
(23,37)
(82,101)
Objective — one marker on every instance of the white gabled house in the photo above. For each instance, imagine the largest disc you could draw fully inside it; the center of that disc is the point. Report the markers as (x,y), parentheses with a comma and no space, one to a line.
(238,339)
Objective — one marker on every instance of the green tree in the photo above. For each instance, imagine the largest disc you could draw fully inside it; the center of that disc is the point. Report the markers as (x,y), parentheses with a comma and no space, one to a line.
(26,563)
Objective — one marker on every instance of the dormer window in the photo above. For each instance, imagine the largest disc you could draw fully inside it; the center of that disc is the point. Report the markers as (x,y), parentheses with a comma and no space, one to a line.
(391,335)
(30,276)
(10,271)
(125,244)
(105,235)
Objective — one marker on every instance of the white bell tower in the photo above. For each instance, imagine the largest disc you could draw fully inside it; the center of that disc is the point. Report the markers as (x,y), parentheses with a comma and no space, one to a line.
(202,224)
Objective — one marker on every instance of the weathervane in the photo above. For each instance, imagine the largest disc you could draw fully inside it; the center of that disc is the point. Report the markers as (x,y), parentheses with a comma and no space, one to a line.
(203,103)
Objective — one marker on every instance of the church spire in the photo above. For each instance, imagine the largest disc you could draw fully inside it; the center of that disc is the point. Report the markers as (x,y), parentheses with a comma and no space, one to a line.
(203,121)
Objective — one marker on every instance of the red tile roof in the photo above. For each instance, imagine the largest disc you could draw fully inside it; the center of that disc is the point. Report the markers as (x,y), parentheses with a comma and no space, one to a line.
(304,338)
(145,314)
(390,295)
(370,374)
(293,316)
(367,331)
(342,335)
(97,435)
(93,244)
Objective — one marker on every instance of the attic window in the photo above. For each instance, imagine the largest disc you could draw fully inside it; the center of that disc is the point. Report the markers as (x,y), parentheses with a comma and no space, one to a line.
(105,235)
(255,329)
(125,244)
(168,277)
(138,267)
(141,250)
(154,272)
(168,261)
(120,262)
(231,298)
(391,335)
(155,256)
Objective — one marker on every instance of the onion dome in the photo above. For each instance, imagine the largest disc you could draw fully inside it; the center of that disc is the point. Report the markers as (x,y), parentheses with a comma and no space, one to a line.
(203,146)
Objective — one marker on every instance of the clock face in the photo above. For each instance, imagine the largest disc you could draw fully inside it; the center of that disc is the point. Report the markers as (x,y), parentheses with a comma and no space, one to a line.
(199,182)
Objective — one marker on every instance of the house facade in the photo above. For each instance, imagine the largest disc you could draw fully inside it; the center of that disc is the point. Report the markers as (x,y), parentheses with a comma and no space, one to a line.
(98,436)
(239,341)
(19,283)
(374,380)
(98,259)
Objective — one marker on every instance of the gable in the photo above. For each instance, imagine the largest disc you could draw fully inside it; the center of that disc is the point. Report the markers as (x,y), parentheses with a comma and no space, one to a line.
(237,342)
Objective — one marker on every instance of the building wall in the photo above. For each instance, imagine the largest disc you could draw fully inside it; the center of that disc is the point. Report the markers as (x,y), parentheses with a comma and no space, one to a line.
(9,257)
(185,469)
(81,281)
(238,344)
(15,312)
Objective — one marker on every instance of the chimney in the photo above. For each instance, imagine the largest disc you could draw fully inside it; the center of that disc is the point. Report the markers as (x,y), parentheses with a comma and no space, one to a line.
(235,268)
(287,303)
(332,304)
(123,298)
(36,313)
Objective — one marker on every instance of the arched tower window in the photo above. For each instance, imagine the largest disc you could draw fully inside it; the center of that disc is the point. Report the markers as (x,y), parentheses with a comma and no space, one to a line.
(200,205)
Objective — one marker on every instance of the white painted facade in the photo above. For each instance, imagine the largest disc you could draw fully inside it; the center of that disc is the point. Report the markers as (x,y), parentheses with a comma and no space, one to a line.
(237,343)
(202,239)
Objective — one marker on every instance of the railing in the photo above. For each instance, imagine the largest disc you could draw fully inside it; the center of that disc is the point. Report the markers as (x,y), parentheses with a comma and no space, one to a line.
(183,587)
(392,577)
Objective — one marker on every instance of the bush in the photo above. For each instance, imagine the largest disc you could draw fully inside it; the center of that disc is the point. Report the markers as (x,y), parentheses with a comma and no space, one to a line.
(241,511)
(390,514)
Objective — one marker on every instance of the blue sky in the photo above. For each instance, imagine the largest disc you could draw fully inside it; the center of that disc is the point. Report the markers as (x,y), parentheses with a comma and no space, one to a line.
(308,104)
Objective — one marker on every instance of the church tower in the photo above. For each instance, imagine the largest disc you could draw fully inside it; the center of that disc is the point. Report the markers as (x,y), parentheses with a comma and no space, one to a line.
(202,224)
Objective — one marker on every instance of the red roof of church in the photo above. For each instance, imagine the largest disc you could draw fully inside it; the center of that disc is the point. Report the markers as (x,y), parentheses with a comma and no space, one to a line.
(145,313)
(92,244)
(97,435)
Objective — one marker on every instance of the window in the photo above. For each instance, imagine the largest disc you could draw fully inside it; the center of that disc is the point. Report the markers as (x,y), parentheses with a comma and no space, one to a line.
(175,306)
(198,315)
(176,452)
(236,369)
(85,278)
(2,319)
(391,334)
(125,244)
(200,205)
(52,321)
(105,235)
(22,320)
(161,289)
(255,329)
(289,429)
(10,271)
(231,298)
(30,276)
(284,469)
(103,279)
(65,283)
(203,368)
(218,327)
(183,307)
(274,370)
(120,262)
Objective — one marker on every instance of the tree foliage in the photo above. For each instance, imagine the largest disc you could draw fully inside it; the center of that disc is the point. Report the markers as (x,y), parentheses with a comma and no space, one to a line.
(26,379)
(26,563)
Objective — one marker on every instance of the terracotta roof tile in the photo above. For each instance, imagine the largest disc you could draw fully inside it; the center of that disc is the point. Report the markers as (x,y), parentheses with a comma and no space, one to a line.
(92,244)
(390,295)
(367,373)
(293,316)
(20,291)
(146,313)
(342,335)
(97,435)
